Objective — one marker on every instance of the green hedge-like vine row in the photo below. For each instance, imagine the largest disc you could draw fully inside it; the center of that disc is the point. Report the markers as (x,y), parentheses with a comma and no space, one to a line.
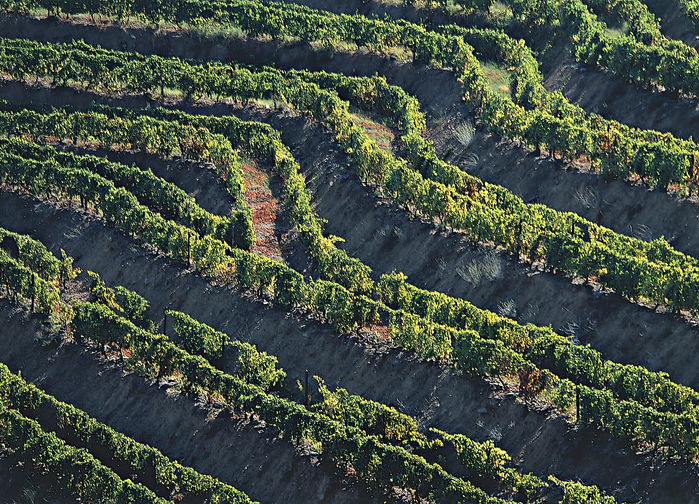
(635,422)
(552,351)
(163,197)
(258,139)
(629,410)
(644,55)
(468,5)
(340,307)
(148,135)
(121,300)
(372,417)
(470,352)
(671,64)
(639,20)
(22,281)
(542,346)
(260,369)
(606,143)
(261,141)
(616,150)
(119,207)
(253,366)
(579,363)
(642,24)
(154,352)
(117,449)
(680,433)
(549,120)
(141,459)
(74,471)
(374,93)
(692,9)
(485,460)
(35,256)
(481,459)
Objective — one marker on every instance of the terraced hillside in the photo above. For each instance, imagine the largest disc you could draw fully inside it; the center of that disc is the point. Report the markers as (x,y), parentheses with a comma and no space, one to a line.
(349,252)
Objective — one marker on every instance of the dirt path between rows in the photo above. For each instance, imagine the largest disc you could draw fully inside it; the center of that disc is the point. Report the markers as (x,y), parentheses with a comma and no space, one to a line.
(675,23)
(20,486)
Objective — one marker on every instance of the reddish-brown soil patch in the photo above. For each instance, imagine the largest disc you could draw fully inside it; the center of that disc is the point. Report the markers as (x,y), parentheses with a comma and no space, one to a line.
(381,331)
(265,210)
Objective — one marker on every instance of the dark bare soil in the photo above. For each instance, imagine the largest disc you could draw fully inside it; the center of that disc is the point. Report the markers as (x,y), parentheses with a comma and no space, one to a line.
(675,23)
(20,486)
